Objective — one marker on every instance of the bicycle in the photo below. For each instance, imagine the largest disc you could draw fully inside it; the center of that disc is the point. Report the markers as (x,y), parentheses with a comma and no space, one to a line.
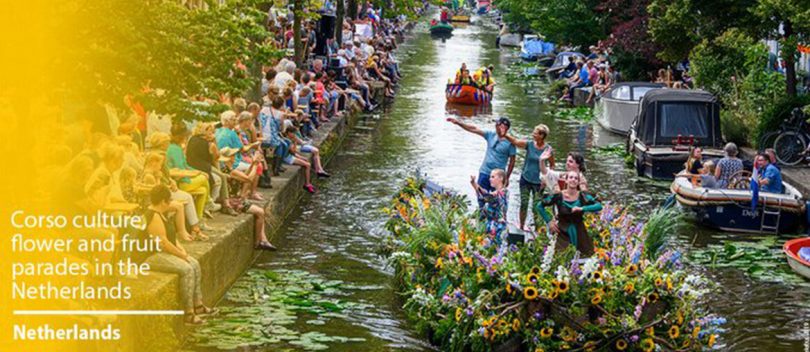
(792,141)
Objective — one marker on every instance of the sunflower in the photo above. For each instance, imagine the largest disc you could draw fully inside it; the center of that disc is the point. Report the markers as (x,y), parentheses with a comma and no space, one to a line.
(621,344)
(555,283)
(569,335)
(535,270)
(516,324)
(426,203)
(653,297)
(546,332)
(487,333)
(596,299)
(530,293)
(659,282)
(712,338)
(563,287)
(686,343)
(509,287)
(532,278)
(669,284)
(629,288)
(439,263)
(458,314)
(674,332)
(695,332)
(680,317)
(502,324)
(647,345)
(539,349)
(631,269)
(650,331)
(553,294)
(597,275)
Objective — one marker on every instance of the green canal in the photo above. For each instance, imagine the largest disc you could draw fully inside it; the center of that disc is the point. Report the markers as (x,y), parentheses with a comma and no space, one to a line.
(328,288)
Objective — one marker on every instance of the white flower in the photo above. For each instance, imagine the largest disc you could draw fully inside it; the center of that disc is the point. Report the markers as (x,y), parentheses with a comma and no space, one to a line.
(590,265)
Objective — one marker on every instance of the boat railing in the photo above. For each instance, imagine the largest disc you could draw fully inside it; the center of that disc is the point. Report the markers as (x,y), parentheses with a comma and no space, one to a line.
(683,143)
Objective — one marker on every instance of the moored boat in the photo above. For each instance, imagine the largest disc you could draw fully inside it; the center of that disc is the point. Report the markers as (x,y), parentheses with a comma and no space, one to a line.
(617,108)
(731,210)
(460,18)
(794,249)
(669,124)
(466,94)
(561,62)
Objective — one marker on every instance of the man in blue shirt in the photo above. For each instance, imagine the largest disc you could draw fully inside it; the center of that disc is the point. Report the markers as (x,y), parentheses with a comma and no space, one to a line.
(770,178)
(499,152)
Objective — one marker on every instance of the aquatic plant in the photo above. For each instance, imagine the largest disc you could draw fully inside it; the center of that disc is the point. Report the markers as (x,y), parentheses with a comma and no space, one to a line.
(579,113)
(465,293)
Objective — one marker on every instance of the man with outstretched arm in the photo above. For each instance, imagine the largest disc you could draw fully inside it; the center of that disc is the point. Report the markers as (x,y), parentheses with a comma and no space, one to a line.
(499,151)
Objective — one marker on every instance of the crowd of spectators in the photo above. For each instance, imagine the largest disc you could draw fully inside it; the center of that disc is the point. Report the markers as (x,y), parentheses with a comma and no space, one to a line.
(179,176)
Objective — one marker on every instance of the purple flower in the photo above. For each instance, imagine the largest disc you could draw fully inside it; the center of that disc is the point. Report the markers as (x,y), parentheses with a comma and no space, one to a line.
(469,311)
(634,338)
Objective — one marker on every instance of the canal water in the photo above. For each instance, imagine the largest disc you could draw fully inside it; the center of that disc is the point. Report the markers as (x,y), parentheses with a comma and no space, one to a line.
(331,246)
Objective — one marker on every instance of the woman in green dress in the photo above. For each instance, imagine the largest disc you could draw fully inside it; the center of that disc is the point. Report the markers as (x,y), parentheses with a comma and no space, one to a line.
(571,204)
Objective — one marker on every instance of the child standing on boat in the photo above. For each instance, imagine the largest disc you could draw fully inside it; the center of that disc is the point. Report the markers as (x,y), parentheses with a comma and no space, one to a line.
(495,203)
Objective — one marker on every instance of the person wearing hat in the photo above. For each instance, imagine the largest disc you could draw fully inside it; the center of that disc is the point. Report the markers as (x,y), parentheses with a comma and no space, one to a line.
(500,152)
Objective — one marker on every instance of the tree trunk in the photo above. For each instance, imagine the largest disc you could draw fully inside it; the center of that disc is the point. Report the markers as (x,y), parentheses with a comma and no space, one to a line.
(298,12)
(789,55)
(352,10)
(341,10)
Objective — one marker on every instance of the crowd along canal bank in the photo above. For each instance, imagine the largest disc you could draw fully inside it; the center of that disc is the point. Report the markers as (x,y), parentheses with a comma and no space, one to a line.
(326,288)
(229,251)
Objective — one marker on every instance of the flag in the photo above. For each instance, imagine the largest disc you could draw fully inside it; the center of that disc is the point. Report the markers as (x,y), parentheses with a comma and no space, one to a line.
(754,189)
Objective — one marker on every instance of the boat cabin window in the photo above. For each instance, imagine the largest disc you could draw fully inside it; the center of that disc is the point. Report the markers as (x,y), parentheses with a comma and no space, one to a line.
(622,93)
(684,119)
(639,92)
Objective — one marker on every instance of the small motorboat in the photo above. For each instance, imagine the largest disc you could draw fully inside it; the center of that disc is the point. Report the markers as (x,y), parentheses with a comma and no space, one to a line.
(460,18)
(798,252)
(617,108)
(561,62)
(441,29)
(730,209)
(669,124)
(467,95)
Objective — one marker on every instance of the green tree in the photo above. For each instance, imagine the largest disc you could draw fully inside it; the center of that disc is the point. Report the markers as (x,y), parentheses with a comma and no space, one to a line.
(793,16)
(560,21)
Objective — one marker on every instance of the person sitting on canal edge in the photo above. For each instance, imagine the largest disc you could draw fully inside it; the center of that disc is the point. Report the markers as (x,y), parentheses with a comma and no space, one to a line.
(500,152)
(770,178)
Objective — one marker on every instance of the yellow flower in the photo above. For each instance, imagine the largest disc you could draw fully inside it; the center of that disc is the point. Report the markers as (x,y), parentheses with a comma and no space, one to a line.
(426,203)
(546,332)
(563,287)
(680,317)
(535,270)
(502,324)
(569,335)
(674,332)
(439,263)
(589,346)
(553,294)
(659,282)
(539,349)
(650,331)
(653,297)
(621,344)
(695,332)
(508,287)
(532,278)
(631,269)
(596,299)
(686,343)
(530,293)
(462,237)
(555,283)
(629,288)
(669,284)
(597,275)
(516,324)
(458,313)
(486,333)
(647,345)
(712,338)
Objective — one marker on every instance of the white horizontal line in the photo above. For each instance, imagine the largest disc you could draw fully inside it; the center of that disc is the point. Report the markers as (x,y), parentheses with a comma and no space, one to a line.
(98,312)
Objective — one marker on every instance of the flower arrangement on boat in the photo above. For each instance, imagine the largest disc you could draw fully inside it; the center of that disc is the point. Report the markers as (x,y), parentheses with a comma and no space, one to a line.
(466,294)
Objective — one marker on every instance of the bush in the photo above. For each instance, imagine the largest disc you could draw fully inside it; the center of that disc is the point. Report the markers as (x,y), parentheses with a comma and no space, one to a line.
(778,112)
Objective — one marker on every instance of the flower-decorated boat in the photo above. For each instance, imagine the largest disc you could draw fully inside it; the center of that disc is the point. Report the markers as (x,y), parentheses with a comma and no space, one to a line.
(798,252)
(467,95)
(465,292)
(731,210)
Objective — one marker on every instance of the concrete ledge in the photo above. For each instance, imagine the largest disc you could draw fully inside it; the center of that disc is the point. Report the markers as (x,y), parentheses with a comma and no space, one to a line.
(581,96)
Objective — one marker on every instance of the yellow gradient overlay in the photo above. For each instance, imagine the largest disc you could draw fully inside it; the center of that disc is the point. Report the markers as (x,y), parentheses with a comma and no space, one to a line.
(42,99)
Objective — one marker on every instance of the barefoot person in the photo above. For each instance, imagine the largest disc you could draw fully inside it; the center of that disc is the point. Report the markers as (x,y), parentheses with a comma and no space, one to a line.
(531,186)
(500,152)
(571,204)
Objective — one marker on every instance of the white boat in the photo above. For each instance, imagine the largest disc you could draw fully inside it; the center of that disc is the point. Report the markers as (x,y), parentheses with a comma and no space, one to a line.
(511,39)
(617,108)
(731,209)
(796,262)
